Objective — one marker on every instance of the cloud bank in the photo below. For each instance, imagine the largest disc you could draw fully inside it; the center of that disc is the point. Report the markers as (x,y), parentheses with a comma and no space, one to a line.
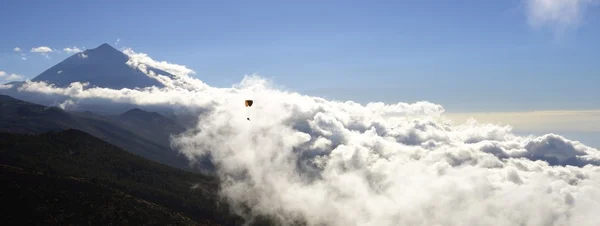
(556,14)
(586,121)
(307,159)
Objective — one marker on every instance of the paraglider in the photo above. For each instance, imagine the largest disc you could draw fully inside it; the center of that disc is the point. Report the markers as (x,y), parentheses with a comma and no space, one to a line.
(248,104)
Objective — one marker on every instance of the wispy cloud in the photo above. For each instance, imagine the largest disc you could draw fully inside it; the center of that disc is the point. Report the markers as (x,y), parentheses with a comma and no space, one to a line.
(144,59)
(10,77)
(20,52)
(67,104)
(73,50)
(328,162)
(14,77)
(117,42)
(556,14)
(144,63)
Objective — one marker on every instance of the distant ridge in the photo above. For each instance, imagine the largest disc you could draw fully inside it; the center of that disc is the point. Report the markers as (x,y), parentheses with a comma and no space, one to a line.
(146,136)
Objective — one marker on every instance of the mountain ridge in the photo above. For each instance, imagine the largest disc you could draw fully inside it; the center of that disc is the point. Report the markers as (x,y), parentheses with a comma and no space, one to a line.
(148,139)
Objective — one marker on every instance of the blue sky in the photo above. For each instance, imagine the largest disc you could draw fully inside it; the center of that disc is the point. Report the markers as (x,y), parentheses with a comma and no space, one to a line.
(466,55)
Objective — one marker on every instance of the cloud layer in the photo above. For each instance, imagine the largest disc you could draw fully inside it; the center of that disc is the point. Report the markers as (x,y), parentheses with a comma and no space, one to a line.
(336,163)
(583,121)
(322,162)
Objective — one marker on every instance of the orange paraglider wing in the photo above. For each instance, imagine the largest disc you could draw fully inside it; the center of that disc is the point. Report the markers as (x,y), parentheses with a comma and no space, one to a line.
(248,104)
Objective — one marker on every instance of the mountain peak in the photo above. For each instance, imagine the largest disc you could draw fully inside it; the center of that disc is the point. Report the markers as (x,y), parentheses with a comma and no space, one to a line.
(105,47)
(103,66)
(139,113)
(134,111)
(106,52)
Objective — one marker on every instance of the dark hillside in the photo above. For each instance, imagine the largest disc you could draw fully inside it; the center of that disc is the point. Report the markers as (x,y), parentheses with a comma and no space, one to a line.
(57,170)
(39,199)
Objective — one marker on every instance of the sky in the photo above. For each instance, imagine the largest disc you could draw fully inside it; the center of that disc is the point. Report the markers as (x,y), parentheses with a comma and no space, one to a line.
(469,56)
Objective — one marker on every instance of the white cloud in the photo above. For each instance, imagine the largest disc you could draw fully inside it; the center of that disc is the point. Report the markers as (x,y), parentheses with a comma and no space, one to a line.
(17,49)
(14,77)
(10,77)
(118,40)
(182,74)
(343,163)
(44,50)
(557,14)
(142,58)
(70,50)
(82,55)
(67,104)
(41,49)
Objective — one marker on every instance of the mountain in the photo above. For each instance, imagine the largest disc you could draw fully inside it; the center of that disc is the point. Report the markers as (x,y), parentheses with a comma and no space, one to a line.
(73,178)
(157,128)
(17,116)
(23,117)
(150,125)
(103,66)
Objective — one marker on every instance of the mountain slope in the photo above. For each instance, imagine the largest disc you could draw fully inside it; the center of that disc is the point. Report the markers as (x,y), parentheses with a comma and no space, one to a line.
(150,125)
(56,170)
(23,117)
(54,200)
(103,66)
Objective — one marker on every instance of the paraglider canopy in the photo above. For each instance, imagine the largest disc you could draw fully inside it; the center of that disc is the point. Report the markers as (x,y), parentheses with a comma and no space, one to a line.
(248,104)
